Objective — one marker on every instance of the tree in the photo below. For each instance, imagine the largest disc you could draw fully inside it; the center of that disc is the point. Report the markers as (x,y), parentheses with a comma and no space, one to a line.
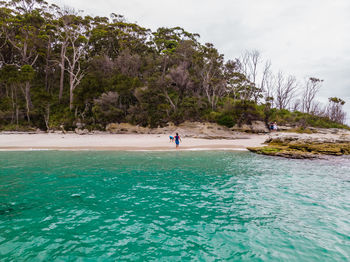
(128,64)
(167,39)
(335,110)
(168,42)
(268,84)
(47,36)
(106,108)
(311,88)
(286,88)
(9,76)
(237,83)
(250,61)
(65,19)
(5,17)
(249,65)
(211,74)
(22,31)
(27,74)
(78,42)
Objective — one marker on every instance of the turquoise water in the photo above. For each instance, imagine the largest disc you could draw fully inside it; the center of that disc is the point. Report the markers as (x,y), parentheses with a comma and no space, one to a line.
(172,206)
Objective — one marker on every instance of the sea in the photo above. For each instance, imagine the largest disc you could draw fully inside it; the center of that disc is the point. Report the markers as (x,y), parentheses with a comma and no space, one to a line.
(172,206)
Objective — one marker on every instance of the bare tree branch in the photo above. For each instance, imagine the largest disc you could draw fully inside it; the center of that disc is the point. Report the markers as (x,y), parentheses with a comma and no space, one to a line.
(312,87)
(286,88)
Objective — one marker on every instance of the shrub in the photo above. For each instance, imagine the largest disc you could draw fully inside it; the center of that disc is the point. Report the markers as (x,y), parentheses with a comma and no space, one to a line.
(226,120)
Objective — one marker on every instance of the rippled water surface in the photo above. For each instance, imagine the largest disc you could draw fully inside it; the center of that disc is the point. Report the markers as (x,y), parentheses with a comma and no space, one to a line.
(171,206)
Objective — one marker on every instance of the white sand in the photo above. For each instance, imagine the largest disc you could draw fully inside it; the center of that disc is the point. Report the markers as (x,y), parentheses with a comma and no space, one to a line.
(105,141)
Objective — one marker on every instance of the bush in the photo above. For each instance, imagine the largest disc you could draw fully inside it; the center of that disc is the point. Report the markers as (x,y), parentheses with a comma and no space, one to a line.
(226,120)
(299,119)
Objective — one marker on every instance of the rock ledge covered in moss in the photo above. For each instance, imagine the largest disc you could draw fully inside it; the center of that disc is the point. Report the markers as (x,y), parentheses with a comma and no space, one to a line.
(303,148)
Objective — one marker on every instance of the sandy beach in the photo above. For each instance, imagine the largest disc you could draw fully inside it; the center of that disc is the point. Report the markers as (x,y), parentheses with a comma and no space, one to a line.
(127,142)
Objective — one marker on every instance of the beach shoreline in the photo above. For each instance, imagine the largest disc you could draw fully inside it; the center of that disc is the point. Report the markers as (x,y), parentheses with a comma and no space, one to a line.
(192,140)
(122,142)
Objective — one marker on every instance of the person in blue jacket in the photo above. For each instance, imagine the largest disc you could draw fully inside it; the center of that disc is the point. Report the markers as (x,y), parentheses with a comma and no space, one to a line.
(177,140)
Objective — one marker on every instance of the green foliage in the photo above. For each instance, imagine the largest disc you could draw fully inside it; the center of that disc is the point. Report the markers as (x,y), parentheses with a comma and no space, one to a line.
(18,128)
(303,120)
(106,108)
(152,110)
(226,120)
(336,100)
(27,73)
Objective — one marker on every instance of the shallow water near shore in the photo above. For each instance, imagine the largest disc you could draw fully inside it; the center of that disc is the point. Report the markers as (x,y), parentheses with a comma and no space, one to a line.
(171,206)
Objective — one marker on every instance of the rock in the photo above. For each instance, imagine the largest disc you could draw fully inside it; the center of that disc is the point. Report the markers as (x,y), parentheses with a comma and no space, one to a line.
(282,152)
(62,129)
(255,127)
(79,125)
(186,129)
(126,128)
(284,128)
(81,132)
(304,146)
(259,127)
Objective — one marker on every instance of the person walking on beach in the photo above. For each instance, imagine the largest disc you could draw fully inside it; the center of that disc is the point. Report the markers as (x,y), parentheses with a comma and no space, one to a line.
(177,140)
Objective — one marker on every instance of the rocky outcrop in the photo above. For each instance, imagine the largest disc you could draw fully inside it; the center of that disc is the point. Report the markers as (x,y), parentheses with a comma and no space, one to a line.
(192,129)
(281,152)
(307,146)
(126,128)
(81,131)
(255,127)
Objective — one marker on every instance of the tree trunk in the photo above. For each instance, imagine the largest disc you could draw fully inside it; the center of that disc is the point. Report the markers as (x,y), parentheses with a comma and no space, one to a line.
(163,84)
(214,102)
(169,99)
(29,104)
(13,106)
(46,77)
(62,73)
(71,89)
(17,114)
(206,88)
(16,106)
(47,67)
(47,118)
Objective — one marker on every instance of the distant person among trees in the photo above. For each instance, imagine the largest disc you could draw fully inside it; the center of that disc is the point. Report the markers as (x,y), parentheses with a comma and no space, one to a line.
(177,140)
(273,126)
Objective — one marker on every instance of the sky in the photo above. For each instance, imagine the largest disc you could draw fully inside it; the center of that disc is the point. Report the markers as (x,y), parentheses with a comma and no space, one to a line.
(302,38)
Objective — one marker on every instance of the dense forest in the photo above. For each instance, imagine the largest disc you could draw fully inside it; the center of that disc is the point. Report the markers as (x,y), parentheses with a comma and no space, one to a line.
(61,68)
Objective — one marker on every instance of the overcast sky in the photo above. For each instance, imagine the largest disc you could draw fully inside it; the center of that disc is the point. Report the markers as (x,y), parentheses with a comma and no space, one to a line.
(300,37)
